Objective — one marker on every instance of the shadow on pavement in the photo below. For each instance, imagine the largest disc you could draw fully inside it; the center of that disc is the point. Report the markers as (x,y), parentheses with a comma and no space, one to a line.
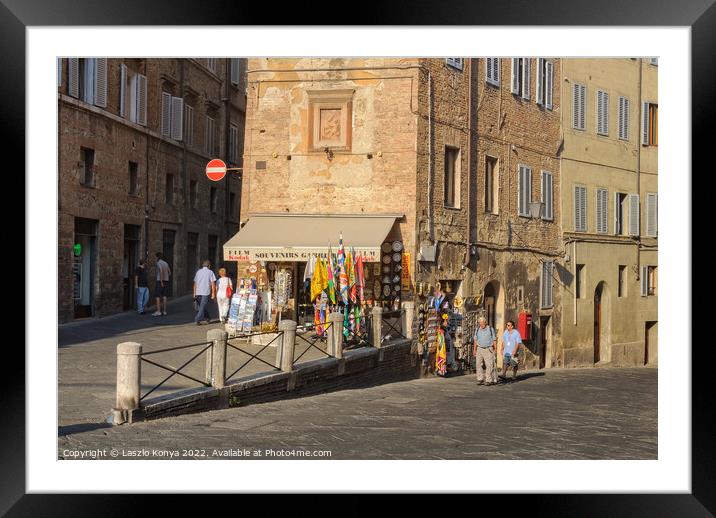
(522,377)
(79,428)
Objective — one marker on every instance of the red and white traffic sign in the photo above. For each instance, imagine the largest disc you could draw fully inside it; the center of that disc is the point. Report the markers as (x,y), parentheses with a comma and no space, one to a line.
(216,170)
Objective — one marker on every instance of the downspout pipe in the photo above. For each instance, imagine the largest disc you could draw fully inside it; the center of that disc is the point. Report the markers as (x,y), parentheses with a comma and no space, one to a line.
(638,172)
(470,130)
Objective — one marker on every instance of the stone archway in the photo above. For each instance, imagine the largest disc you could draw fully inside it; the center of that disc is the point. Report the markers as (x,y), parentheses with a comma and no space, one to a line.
(602,323)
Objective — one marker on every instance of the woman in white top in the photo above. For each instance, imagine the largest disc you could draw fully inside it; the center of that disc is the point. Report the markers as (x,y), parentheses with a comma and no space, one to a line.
(223,296)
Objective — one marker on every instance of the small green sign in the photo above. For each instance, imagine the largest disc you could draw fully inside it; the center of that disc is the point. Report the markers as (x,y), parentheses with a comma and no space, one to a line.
(78,249)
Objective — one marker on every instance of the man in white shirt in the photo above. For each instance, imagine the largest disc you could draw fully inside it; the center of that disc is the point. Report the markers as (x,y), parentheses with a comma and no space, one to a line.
(204,287)
(163,273)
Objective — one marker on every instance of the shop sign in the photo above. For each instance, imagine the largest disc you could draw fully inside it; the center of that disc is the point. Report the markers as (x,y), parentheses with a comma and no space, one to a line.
(405,273)
(287,254)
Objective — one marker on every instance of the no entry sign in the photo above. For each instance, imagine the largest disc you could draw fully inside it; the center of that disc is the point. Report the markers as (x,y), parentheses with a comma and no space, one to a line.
(216,170)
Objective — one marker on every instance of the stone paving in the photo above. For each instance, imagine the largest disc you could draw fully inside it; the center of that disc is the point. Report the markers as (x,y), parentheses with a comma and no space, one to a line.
(598,413)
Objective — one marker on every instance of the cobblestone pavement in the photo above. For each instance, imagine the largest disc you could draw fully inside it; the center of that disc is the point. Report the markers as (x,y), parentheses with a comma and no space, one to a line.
(598,413)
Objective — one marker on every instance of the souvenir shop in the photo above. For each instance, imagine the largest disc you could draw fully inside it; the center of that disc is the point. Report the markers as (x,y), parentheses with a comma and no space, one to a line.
(301,267)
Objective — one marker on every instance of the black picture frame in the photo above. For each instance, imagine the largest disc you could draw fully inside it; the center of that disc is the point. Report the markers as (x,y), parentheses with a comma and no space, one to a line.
(16,15)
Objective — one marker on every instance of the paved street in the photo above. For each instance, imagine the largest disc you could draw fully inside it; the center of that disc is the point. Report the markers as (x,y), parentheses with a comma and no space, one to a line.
(554,414)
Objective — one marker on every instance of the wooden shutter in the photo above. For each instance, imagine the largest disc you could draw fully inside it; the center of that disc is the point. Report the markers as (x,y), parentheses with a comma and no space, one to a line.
(524,190)
(582,105)
(616,213)
(580,208)
(73,77)
(166,114)
(575,106)
(100,82)
(122,90)
(235,71)
(602,112)
(141,99)
(59,71)
(645,124)
(540,81)
(548,88)
(177,118)
(516,75)
(546,284)
(526,78)
(547,195)
(651,215)
(633,214)
(601,212)
(454,62)
(644,281)
(496,70)
(624,118)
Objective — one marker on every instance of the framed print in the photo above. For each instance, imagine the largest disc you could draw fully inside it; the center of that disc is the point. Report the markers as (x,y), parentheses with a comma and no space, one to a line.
(678,460)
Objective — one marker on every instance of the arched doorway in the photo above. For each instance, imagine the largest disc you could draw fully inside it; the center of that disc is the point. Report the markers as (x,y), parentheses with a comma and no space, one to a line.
(601,322)
(490,302)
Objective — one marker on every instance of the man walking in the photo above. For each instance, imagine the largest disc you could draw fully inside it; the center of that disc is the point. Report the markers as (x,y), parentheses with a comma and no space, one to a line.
(140,282)
(204,287)
(484,342)
(163,273)
(511,342)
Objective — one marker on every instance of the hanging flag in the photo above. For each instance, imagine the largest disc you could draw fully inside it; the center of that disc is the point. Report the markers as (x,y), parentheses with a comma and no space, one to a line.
(342,277)
(331,277)
(351,274)
(318,282)
(310,265)
(360,277)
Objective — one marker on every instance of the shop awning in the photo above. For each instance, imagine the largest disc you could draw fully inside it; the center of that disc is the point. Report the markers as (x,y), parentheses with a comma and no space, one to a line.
(295,237)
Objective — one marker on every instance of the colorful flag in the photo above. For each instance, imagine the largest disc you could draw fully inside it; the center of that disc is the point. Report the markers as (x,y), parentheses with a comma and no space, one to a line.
(342,277)
(319,282)
(351,274)
(331,277)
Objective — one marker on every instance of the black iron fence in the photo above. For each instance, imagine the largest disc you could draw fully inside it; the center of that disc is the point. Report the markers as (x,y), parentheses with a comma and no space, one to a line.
(276,340)
(175,371)
(320,334)
(360,335)
(392,325)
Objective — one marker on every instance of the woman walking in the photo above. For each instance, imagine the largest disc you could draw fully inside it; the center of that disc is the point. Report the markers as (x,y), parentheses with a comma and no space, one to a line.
(224,290)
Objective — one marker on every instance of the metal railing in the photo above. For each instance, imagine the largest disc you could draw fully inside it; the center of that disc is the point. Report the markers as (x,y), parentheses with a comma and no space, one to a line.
(279,336)
(171,369)
(361,338)
(317,337)
(397,313)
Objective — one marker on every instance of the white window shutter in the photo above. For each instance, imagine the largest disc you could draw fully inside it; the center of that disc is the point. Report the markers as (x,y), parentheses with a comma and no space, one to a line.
(122,90)
(633,214)
(59,71)
(550,197)
(526,78)
(620,121)
(550,79)
(488,70)
(73,78)
(520,189)
(616,213)
(141,99)
(645,124)
(626,119)
(166,114)
(575,106)
(496,70)
(540,79)
(651,215)
(100,82)
(454,62)
(516,75)
(605,112)
(177,118)
(235,71)
(582,105)
(529,190)
(644,281)
(598,212)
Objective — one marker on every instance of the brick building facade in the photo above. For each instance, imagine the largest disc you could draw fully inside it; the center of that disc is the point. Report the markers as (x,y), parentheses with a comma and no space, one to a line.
(134,137)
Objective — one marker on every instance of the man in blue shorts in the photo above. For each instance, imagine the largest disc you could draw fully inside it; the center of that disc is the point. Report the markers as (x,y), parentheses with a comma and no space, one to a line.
(511,342)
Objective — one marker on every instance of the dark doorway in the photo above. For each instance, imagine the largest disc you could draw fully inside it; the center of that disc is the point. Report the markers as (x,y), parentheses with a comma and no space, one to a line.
(490,298)
(650,344)
(130,261)
(543,336)
(168,237)
(213,243)
(83,267)
(192,263)
(597,321)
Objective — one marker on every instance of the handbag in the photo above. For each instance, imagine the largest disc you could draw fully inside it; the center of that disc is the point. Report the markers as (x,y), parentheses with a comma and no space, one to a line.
(228,291)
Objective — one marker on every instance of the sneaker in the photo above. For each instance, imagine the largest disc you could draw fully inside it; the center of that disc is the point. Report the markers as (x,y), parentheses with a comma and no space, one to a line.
(157,314)
(480,382)
(164,313)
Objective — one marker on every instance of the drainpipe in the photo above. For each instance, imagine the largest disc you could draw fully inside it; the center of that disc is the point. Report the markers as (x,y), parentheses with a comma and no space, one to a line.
(227,140)
(638,174)
(574,262)
(430,158)
(470,130)
(185,180)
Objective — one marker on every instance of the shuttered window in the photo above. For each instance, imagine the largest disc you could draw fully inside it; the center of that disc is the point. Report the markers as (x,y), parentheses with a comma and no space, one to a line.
(580,208)
(524,190)
(579,94)
(235,71)
(233,143)
(623,118)
(526,78)
(546,285)
(211,64)
(454,62)
(166,113)
(492,71)
(516,74)
(122,90)
(189,125)
(177,117)
(141,99)
(100,82)
(547,193)
(59,71)
(73,78)
(602,112)
(651,215)
(549,75)
(209,136)
(633,214)
(645,124)
(602,210)
(644,281)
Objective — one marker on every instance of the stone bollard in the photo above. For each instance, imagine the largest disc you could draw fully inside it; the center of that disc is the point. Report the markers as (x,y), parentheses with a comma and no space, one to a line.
(208,354)
(335,335)
(377,316)
(129,372)
(406,319)
(284,352)
(218,339)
